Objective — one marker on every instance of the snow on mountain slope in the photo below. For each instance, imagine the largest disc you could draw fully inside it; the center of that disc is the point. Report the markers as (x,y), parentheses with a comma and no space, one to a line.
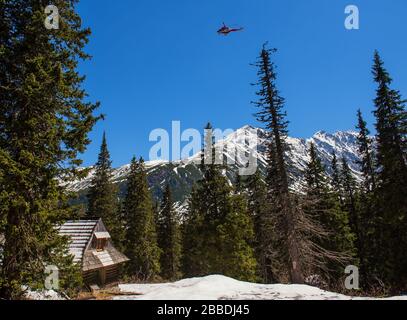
(181,175)
(218,287)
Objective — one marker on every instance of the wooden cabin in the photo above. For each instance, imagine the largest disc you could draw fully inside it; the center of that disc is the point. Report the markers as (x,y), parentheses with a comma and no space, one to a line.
(92,248)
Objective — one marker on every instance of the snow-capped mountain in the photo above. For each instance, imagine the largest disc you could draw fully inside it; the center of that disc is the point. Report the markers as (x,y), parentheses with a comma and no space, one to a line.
(182,174)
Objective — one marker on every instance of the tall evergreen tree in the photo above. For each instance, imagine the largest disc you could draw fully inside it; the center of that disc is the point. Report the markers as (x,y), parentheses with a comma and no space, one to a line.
(140,234)
(365,152)
(103,195)
(336,179)
(391,191)
(218,229)
(169,238)
(156,211)
(349,189)
(285,246)
(368,222)
(258,209)
(44,124)
(323,205)
(351,205)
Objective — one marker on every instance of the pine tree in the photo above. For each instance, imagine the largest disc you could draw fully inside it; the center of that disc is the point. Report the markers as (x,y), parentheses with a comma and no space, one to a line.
(391,191)
(349,189)
(336,238)
(44,124)
(365,151)
(156,211)
(235,236)
(103,195)
(286,245)
(336,179)
(257,205)
(368,244)
(351,206)
(218,230)
(140,234)
(169,238)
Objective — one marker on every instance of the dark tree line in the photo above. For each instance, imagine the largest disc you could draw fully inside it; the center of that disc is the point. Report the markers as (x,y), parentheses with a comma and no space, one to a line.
(337,221)
(218,230)
(149,235)
(383,193)
(300,234)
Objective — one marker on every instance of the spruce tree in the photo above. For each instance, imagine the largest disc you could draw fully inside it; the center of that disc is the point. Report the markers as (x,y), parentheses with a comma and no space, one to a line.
(366,154)
(349,191)
(336,238)
(103,195)
(235,236)
(368,220)
(218,230)
(391,191)
(44,124)
(140,234)
(352,204)
(258,209)
(285,246)
(336,179)
(156,211)
(169,238)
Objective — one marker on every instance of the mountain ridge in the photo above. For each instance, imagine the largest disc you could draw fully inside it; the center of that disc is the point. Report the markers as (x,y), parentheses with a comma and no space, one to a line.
(182,174)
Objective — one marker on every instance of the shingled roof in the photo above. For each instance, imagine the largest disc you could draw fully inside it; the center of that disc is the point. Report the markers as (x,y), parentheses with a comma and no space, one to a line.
(81,234)
(100,259)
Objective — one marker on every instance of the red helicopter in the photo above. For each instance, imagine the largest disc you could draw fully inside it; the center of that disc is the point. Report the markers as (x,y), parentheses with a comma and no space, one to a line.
(225,30)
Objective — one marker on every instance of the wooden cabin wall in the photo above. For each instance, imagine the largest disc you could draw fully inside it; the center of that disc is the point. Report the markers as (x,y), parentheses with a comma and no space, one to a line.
(112,274)
(94,276)
(91,277)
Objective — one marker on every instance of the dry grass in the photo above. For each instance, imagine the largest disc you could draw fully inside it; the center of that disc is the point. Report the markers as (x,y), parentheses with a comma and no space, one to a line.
(107,293)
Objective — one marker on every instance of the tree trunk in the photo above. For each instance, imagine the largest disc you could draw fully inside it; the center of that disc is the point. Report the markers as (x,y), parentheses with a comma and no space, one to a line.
(294,262)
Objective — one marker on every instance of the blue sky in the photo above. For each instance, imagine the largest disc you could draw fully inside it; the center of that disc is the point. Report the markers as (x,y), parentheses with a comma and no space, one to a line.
(156,61)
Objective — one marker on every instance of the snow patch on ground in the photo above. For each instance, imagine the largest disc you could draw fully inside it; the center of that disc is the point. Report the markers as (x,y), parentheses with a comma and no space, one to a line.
(43,295)
(217,287)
